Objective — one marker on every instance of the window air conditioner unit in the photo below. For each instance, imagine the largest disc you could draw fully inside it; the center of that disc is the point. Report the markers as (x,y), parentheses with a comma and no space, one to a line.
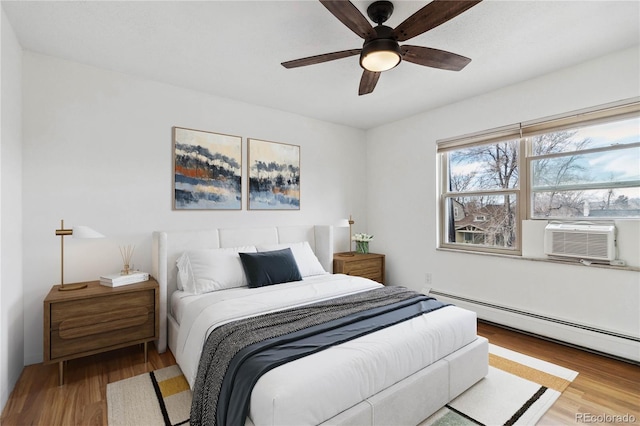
(581,240)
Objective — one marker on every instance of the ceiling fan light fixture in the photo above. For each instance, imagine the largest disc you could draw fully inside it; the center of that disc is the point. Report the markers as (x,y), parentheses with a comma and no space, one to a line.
(380,55)
(381,51)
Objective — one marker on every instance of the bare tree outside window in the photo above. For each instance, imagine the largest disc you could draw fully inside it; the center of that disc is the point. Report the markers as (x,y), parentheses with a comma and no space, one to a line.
(489,218)
(583,172)
(552,172)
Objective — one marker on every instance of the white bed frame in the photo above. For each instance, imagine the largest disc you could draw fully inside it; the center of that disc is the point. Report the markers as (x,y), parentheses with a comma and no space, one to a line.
(407,402)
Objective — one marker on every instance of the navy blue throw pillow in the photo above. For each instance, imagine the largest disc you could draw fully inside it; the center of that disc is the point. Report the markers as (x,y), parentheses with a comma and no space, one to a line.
(270,267)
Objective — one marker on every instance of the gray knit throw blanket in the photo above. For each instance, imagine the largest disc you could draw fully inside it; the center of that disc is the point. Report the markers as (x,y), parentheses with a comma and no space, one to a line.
(227,340)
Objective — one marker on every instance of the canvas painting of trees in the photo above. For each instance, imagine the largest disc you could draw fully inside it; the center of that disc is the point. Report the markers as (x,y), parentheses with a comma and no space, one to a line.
(207,170)
(274,176)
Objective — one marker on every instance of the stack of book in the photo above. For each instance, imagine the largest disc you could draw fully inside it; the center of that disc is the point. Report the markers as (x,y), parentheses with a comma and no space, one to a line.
(116,280)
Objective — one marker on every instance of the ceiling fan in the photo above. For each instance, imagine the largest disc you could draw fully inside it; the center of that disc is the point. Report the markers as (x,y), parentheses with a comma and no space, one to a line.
(381,51)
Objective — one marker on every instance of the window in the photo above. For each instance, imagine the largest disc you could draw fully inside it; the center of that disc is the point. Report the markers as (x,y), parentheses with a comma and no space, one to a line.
(582,165)
(588,172)
(482,197)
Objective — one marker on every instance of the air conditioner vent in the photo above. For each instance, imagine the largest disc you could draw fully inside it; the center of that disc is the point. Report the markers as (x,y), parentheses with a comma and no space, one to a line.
(585,241)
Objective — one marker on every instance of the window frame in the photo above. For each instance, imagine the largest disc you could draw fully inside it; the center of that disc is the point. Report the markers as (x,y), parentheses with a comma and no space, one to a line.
(522,132)
(579,186)
(445,194)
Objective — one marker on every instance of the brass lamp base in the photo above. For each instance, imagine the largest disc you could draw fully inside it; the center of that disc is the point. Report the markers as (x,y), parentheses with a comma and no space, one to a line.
(77,286)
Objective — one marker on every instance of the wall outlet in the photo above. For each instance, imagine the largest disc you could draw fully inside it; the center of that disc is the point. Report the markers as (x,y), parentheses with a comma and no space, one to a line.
(427,278)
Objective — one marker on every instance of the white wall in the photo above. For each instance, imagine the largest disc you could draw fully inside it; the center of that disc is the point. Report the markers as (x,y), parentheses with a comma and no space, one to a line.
(98,152)
(11,291)
(403,204)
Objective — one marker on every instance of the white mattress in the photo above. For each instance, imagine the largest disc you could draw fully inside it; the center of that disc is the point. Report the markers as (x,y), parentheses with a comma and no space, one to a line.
(317,387)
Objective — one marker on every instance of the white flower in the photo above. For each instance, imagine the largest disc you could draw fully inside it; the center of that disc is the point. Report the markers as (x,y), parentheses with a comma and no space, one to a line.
(362,237)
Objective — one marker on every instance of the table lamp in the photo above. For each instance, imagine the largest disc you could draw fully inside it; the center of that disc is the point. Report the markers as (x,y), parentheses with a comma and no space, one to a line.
(344,223)
(77,232)
(351,222)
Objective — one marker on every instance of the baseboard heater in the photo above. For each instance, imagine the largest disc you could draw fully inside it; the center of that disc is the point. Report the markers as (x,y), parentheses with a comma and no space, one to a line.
(537,316)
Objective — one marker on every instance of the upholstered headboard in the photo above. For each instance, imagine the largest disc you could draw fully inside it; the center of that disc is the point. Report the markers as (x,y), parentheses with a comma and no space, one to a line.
(167,246)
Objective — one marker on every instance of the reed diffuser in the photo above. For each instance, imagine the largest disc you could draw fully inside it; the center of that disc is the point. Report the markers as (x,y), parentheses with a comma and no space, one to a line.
(126,252)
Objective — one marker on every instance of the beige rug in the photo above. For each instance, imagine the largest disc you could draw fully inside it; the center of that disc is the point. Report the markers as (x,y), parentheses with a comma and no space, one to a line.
(518,390)
(161,397)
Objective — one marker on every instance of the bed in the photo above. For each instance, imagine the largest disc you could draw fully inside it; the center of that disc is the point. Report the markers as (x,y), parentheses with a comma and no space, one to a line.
(398,374)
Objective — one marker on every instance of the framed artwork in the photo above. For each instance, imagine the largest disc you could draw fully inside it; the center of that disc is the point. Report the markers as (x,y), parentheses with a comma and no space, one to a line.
(207,170)
(274,176)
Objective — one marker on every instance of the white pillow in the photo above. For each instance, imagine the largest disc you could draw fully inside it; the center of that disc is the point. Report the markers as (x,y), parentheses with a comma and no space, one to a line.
(202,271)
(308,263)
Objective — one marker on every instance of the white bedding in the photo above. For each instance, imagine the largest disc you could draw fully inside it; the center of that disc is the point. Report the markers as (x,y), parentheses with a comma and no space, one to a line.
(198,315)
(317,387)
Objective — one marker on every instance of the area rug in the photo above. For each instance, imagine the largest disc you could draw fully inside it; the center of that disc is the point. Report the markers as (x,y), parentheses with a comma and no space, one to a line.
(161,397)
(518,390)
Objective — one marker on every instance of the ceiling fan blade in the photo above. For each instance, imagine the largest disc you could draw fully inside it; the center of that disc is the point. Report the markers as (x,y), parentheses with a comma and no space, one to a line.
(349,15)
(317,59)
(368,82)
(433,14)
(434,58)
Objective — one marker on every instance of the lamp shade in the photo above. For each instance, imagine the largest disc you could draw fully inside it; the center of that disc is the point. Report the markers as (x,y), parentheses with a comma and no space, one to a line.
(82,231)
(79,231)
(342,223)
(380,55)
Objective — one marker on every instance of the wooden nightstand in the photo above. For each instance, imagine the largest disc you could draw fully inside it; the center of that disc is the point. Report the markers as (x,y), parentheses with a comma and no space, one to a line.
(98,319)
(370,265)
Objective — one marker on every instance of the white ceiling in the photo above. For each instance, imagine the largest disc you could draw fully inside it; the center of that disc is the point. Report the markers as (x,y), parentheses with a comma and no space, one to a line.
(234,49)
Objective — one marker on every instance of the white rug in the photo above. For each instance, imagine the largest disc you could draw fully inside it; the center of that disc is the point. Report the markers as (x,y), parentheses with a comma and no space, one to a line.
(518,390)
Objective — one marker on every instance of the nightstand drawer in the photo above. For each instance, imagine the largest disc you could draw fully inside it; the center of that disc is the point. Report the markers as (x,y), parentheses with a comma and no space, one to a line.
(100,332)
(109,320)
(102,322)
(364,267)
(104,306)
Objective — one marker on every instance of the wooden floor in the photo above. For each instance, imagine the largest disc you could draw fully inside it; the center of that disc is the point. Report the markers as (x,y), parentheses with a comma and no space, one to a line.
(604,387)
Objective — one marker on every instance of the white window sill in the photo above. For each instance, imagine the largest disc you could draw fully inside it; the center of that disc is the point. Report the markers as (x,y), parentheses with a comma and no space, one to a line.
(572,262)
